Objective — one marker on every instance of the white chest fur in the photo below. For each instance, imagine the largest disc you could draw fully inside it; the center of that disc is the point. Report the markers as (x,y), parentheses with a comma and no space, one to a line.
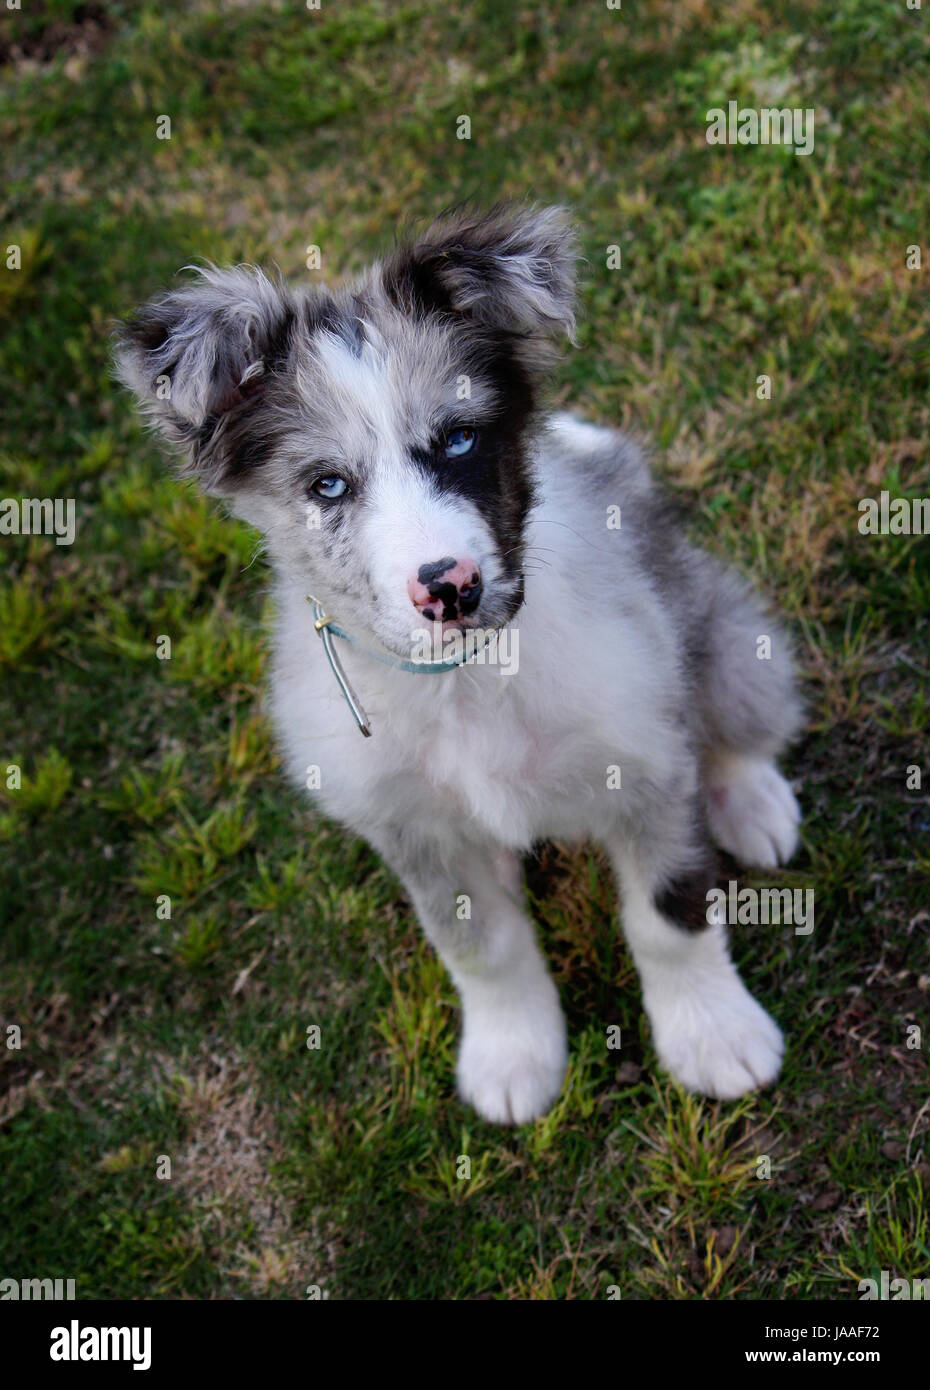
(527,755)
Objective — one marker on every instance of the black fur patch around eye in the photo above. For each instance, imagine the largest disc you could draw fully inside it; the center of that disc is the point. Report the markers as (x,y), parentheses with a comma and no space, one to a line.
(494,475)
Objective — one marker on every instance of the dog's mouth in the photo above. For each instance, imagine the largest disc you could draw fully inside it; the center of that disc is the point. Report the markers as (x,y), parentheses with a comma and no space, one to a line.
(494,612)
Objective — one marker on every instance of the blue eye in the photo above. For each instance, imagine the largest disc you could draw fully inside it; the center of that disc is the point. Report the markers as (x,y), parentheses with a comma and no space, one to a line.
(459,442)
(331,487)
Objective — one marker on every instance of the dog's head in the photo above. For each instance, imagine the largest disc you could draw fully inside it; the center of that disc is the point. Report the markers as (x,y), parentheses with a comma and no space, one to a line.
(378,434)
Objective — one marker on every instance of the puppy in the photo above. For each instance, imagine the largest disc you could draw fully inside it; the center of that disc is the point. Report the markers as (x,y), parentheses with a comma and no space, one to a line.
(502,601)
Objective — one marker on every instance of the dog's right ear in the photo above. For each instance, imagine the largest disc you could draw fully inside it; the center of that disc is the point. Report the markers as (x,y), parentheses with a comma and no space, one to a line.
(197,360)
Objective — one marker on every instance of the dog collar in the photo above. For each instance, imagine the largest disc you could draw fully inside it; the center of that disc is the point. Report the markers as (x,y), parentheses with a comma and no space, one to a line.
(327,629)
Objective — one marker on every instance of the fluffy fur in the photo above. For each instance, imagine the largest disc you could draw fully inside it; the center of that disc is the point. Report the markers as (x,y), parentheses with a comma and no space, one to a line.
(637,652)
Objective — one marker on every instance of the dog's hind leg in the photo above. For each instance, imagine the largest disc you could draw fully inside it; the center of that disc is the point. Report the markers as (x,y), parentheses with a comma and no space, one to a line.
(513,1053)
(749,709)
(752,812)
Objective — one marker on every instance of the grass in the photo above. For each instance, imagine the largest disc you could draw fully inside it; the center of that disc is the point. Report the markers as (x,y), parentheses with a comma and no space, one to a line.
(175,925)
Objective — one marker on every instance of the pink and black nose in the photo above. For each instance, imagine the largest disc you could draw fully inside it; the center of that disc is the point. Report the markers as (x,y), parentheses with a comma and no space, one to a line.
(446,589)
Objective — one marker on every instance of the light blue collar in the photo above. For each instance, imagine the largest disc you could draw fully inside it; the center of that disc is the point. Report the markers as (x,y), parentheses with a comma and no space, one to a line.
(327,629)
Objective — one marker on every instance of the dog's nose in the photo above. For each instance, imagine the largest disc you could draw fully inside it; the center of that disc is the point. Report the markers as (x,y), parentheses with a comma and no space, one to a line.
(446,589)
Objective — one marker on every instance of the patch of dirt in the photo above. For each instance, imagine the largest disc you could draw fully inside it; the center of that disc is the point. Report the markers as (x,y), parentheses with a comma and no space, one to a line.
(225,1169)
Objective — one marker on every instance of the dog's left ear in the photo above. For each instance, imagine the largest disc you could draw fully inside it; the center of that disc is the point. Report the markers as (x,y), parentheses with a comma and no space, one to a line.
(511,270)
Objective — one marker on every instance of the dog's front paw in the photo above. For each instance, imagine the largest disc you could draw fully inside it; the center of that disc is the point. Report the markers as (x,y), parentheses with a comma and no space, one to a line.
(719,1044)
(512,1063)
(753,813)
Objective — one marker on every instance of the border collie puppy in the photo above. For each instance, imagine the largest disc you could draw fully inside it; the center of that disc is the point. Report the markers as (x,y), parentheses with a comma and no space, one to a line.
(501,599)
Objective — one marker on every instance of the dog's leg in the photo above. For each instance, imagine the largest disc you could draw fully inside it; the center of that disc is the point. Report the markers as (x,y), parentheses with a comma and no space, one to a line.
(513,1053)
(748,708)
(751,810)
(707,1029)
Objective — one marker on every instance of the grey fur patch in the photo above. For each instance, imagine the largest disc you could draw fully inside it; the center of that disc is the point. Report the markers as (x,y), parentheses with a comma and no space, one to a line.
(197,360)
(508,270)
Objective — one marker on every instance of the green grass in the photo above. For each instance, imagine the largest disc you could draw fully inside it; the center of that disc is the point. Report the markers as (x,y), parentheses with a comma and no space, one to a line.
(127,781)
